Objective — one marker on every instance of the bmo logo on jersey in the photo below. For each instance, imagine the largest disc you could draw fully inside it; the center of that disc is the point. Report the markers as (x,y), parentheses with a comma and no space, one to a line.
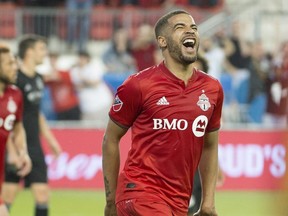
(198,125)
(8,122)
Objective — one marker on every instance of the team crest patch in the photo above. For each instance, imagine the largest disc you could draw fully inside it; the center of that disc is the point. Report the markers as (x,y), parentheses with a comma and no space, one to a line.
(11,105)
(203,102)
(117,105)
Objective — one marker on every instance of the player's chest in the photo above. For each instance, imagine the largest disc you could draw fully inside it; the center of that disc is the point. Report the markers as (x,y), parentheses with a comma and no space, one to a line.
(33,90)
(180,103)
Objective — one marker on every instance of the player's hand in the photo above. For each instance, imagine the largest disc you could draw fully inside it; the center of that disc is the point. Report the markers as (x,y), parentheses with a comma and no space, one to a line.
(13,160)
(206,212)
(110,209)
(26,165)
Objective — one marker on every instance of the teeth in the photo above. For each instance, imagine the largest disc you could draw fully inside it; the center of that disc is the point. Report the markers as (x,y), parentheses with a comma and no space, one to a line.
(189,41)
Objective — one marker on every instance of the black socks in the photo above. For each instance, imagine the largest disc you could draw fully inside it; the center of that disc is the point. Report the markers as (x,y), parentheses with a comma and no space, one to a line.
(41,210)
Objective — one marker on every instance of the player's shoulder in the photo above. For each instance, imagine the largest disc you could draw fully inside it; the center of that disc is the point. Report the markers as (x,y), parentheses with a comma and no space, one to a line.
(139,80)
(206,77)
(146,73)
(23,77)
(39,76)
(13,88)
(14,91)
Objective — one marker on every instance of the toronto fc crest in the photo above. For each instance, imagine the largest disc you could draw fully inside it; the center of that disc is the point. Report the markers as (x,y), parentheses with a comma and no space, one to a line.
(203,102)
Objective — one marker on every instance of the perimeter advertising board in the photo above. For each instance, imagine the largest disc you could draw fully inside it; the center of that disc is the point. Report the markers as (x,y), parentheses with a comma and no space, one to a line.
(250,160)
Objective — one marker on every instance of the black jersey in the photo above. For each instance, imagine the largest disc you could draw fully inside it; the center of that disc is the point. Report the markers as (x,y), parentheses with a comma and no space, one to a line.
(32,88)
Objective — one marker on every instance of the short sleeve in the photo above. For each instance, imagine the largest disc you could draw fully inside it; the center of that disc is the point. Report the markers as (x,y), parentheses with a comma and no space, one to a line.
(215,121)
(127,103)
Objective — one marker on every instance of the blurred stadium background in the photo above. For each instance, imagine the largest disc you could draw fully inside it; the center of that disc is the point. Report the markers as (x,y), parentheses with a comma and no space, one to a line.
(252,152)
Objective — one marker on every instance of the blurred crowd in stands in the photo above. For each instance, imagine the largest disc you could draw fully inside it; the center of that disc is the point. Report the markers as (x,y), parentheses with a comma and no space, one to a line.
(118,3)
(78,21)
(255,82)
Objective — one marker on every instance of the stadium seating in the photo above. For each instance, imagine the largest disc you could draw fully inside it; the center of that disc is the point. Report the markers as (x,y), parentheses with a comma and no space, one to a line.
(7,20)
(101,26)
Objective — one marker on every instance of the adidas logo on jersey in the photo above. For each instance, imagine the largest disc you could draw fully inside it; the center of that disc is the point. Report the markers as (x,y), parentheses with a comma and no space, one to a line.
(163,101)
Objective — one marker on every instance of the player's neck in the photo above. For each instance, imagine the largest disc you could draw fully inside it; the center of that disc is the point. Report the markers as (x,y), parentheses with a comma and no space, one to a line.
(28,68)
(183,72)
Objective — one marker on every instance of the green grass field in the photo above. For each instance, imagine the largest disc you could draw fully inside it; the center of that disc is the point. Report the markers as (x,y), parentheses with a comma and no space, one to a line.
(91,203)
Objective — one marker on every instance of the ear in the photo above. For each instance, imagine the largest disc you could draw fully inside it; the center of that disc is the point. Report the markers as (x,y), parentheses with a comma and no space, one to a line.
(162,42)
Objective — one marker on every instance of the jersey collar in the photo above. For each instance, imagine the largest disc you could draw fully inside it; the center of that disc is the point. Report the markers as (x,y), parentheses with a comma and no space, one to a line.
(169,74)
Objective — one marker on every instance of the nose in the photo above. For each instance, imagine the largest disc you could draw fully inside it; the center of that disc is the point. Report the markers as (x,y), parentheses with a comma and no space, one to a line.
(190,31)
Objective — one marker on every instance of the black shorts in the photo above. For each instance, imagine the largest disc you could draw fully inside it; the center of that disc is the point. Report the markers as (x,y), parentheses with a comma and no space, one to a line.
(38,173)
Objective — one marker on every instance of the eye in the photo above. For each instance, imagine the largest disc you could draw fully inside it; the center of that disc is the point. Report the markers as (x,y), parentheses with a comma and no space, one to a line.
(195,28)
(179,26)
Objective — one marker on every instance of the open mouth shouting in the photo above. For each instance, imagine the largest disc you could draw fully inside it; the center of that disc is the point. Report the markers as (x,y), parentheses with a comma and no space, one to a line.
(189,44)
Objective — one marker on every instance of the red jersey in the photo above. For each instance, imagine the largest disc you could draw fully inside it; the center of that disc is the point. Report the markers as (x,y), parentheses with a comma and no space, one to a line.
(11,109)
(63,93)
(168,122)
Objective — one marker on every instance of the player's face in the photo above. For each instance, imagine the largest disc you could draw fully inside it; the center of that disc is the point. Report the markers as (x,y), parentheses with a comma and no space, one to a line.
(183,38)
(8,70)
(40,52)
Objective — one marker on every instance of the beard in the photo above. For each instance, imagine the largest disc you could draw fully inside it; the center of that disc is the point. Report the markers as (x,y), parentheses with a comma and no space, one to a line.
(188,59)
(176,52)
(5,80)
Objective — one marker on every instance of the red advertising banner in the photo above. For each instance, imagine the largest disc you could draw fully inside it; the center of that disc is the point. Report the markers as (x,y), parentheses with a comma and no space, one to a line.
(250,160)
(253,160)
(80,164)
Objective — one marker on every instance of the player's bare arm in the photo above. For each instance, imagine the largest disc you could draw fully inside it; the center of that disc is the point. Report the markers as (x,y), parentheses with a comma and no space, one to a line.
(208,168)
(111,164)
(19,139)
(49,136)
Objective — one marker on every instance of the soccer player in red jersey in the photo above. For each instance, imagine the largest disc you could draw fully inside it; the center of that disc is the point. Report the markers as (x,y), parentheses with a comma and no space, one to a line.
(11,108)
(174,113)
